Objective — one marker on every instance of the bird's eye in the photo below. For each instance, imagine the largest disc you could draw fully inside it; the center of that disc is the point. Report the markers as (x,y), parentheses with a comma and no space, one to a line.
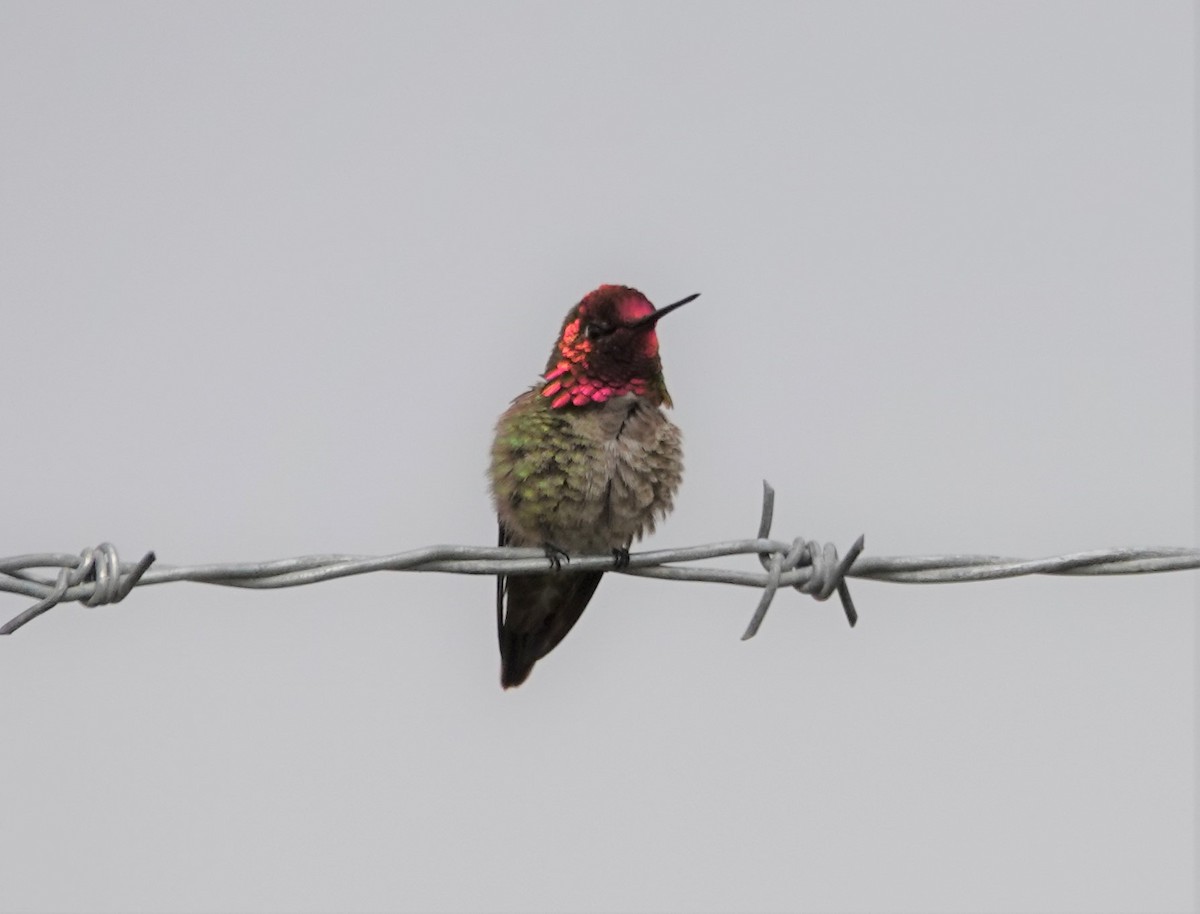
(597,329)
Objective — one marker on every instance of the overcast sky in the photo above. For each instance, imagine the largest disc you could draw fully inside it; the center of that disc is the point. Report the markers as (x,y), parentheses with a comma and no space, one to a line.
(270,272)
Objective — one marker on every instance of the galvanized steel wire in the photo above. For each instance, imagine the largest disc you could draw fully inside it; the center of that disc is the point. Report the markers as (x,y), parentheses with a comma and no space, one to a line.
(96,576)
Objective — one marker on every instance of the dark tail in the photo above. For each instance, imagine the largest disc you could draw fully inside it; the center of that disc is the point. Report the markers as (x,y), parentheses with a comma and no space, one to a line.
(539,611)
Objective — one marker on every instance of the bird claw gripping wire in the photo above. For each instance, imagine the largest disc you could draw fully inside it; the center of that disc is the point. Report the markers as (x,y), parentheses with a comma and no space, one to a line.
(827,573)
(100,567)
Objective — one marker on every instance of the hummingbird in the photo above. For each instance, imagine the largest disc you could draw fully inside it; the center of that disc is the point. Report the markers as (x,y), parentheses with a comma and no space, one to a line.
(585,461)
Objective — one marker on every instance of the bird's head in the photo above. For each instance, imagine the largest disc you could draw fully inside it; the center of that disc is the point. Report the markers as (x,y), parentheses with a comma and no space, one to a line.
(607,348)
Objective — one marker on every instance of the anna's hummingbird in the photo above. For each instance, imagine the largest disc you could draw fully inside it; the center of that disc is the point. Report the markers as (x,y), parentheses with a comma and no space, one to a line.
(585,461)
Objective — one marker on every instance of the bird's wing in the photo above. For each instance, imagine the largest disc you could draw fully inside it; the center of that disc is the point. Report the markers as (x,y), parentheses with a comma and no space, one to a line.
(501,584)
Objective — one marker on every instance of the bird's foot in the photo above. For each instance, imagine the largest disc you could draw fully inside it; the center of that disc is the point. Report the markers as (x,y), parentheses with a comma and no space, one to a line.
(556,555)
(620,558)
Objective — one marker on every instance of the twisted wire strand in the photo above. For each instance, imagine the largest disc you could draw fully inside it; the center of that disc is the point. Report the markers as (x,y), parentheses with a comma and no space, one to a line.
(96,576)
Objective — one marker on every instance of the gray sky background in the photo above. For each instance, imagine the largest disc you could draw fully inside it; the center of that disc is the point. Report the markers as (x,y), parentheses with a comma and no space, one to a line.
(269,273)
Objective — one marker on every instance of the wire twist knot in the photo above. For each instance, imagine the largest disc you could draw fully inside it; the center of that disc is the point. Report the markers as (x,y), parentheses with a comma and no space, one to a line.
(99,566)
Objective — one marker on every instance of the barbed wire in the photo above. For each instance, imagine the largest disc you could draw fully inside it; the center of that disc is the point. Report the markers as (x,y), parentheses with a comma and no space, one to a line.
(96,576)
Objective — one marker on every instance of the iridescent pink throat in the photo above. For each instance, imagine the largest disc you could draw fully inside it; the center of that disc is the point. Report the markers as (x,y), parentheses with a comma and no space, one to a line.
(569,385)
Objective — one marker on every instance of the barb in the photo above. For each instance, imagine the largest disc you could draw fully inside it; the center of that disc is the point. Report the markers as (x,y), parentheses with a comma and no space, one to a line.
(97,576)
(827,573)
